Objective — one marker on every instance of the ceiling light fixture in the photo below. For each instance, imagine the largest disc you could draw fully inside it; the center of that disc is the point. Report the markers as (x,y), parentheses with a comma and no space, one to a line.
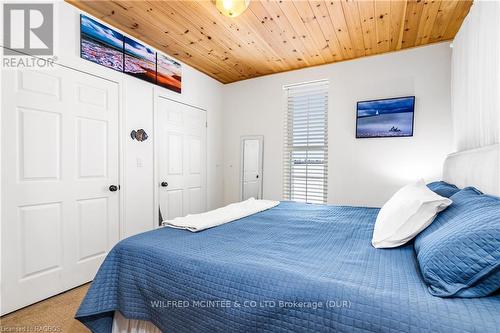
(231,8)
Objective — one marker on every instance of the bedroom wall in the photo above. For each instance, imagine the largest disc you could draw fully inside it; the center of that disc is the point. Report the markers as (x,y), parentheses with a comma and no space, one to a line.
(137,109)
(476,78)
(361,171)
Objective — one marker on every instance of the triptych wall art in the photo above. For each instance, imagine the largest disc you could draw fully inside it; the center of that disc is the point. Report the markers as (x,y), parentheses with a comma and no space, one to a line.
(107,47)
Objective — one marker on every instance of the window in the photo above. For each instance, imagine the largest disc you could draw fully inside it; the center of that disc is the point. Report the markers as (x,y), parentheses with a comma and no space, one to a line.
(305,163)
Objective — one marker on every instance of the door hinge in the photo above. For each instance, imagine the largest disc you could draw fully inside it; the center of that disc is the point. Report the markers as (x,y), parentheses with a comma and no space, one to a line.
(206,123)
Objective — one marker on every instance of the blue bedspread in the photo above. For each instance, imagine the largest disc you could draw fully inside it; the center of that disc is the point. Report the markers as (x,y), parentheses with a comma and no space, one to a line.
(293,268)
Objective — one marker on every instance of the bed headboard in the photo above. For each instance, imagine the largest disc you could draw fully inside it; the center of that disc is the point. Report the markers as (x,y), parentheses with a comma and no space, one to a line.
(476,167)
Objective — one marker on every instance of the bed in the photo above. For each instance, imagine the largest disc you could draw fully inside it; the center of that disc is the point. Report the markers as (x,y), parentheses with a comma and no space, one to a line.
(293,268)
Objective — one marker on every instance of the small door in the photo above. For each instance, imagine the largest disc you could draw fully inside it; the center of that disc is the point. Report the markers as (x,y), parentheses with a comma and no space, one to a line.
(59,157)
(251,167)
(181,133)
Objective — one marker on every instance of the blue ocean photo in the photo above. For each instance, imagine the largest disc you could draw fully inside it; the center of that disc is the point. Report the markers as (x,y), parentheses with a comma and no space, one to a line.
(101,44)
(385,118)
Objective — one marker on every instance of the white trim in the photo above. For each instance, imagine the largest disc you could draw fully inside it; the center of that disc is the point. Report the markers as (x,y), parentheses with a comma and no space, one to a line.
(292,85)
(156,194)
(122,121)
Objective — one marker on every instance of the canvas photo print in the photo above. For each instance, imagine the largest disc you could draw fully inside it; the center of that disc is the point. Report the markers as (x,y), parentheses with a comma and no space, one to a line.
(392,117)
(140,60)
(100,44)
(169,73)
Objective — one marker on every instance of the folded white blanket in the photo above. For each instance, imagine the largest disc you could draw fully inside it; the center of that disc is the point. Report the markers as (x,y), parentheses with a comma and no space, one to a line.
(213,218)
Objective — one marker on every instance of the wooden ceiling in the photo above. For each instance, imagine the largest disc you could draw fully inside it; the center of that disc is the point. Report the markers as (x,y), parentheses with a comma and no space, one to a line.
(273,36)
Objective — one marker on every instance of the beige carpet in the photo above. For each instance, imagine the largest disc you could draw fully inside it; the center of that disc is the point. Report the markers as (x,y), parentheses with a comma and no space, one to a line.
(56,313)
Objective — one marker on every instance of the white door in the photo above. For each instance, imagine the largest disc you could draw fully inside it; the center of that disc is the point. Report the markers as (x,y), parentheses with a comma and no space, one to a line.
(59,158)
(181,133)
(251,165)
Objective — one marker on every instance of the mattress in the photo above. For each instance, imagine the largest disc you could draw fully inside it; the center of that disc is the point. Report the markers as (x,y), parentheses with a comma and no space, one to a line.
(292,268)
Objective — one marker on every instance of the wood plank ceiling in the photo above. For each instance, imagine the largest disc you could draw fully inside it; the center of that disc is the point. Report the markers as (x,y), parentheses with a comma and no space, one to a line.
(273,36)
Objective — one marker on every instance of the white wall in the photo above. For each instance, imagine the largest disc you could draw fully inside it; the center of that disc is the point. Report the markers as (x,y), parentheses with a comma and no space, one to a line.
(476,78)
(361,171)
(137,99)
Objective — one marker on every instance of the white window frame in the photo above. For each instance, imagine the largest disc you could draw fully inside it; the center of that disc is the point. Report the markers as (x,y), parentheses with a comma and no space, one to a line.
(305,151)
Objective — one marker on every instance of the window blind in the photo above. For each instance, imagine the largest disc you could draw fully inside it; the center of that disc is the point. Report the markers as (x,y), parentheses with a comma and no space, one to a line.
(305,162)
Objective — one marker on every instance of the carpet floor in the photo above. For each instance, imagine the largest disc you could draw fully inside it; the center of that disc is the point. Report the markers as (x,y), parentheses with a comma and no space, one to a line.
(56,314)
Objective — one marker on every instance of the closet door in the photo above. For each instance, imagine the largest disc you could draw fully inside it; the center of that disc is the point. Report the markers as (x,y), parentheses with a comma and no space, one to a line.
(59,159)
(181,133)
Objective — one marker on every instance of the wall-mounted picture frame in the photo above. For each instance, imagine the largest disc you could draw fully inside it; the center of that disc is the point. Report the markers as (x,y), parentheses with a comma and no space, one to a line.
(139,61)
(382,118)
(100,44)
(168,73)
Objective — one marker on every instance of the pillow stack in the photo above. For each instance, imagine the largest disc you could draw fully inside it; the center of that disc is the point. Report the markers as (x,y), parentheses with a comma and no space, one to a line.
(459,253)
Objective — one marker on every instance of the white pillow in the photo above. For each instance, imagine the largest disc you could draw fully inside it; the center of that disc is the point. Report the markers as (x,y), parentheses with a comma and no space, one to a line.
(408,212)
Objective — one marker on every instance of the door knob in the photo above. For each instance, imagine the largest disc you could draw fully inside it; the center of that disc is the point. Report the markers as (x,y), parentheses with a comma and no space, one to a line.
(164,184)
(257,176)
(114,188)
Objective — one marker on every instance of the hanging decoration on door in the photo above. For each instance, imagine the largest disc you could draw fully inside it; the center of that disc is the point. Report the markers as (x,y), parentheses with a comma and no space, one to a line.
(139,135)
